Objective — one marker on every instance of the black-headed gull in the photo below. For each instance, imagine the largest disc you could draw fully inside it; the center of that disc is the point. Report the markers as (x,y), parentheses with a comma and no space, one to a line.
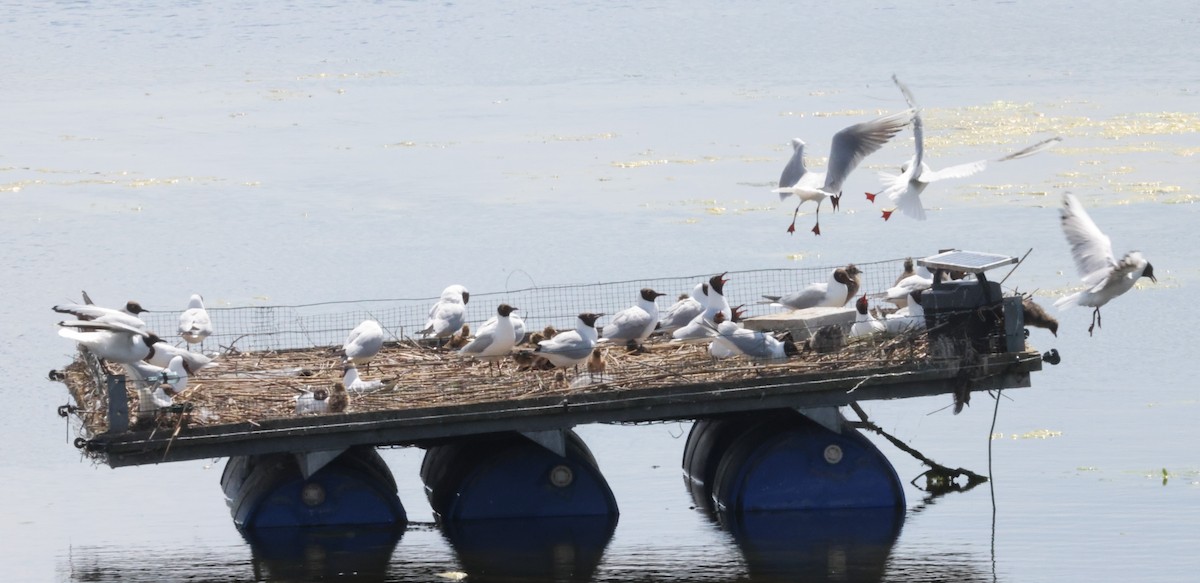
(573,347)
(904,189)
(683,311)
(635,323)
(448,314)
(849,147)
(160,386)
(732,339)
(864,323)
(363,342)
(843,284)
(703,326)
(312,402)
(517,323)
(194,323)
(320,401)
(194,362)
(114,341)
(921,280)
(909,317)
(1104,277)
(127,316)
(493,344)
(355,383)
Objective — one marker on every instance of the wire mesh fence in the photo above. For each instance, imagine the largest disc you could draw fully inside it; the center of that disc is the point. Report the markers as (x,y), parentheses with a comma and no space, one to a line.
(258,328)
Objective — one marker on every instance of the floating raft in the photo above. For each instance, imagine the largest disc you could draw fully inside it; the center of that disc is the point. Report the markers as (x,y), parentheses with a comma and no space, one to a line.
(266,356)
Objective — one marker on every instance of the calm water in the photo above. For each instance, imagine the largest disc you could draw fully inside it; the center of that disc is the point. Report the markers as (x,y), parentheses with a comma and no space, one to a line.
(290,154)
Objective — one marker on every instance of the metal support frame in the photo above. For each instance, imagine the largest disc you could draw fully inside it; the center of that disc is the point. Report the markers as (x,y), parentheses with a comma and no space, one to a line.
(312,461)
(554,440)
(828,417)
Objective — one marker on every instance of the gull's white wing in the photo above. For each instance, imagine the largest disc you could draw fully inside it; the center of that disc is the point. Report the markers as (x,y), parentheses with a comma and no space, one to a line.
(795,167)
(858,141)
(959,171)
(1031,150)
(1091,249)
(918,127)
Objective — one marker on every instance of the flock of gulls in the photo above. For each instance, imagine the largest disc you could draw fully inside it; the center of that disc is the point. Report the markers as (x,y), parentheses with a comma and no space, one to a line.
(161,369)
(1104,276)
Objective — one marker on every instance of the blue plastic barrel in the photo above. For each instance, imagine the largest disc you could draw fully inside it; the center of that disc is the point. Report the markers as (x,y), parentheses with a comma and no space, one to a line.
(794,463)
(509,476)
(356,488)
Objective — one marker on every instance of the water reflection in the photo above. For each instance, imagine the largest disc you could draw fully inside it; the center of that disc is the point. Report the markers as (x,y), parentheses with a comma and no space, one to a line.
(537,549)
(316,553)
(816,545)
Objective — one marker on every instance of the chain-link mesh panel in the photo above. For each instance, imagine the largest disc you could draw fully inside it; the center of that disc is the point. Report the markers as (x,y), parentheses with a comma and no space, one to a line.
(327,324)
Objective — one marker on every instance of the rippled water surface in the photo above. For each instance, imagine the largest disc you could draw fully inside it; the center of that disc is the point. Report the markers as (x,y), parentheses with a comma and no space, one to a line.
(262,153)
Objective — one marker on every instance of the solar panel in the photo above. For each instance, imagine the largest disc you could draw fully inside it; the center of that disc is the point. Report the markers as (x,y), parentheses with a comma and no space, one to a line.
(968,261)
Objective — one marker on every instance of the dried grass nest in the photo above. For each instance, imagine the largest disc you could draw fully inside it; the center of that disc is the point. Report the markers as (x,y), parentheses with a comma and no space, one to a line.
(255,386)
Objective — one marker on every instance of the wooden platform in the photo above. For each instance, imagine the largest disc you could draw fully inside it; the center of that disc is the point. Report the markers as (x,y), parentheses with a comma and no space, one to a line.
(547,402)
(267,355)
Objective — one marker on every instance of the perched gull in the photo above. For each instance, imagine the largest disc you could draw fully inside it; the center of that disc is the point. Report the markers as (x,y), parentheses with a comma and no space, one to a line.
(158,386)
(356,384)
(921,280)
(634,324)
(864,323)
(703,325)
(333,400)
(363,343)
(448,314)
(683,311)
(573,347)
(194,324)
(1104,277)
(904,189)
(517,323)
(193,362)
(113,341)
(754,344)
(310,402)
(909,317)
(849,147)
(842,285)
(494,344)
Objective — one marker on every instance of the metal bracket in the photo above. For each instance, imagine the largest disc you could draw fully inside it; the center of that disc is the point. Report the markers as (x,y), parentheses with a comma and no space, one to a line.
(554,440)
(118,404)
(828,417)
(312,461)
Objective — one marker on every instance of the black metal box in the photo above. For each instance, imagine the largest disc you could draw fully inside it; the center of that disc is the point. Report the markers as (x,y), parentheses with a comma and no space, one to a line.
(972,311)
